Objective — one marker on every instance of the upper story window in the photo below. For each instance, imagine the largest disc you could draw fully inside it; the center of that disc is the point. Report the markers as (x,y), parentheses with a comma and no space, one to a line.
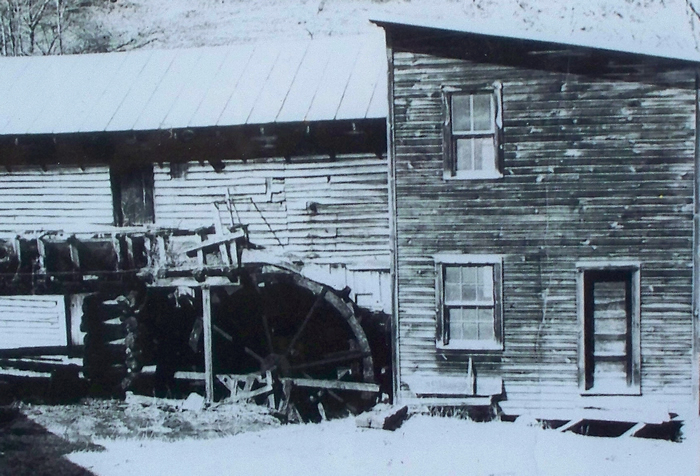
(472,134)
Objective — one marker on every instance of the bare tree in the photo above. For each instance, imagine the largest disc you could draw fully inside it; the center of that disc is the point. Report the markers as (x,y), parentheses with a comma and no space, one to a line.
(31,27)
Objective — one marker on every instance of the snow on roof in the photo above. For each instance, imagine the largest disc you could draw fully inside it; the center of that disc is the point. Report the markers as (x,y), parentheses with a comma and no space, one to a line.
(576,39)
(332,78)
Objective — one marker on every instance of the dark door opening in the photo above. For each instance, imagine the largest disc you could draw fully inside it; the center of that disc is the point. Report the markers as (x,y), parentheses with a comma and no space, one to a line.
(610,316)
(132,194)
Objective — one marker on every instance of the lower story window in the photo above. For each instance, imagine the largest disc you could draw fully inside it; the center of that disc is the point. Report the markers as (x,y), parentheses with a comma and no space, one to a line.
(469,302)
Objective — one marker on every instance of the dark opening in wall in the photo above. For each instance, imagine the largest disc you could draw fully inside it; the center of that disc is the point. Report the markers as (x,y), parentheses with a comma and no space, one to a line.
(132,194)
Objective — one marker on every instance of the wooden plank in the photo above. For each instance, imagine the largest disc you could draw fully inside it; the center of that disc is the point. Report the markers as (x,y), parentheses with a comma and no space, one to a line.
(208,356)
(333,384)
(633,431)
(181,375)
(219,229)
(33,321)
(569,425)
(75,309)
(214,240)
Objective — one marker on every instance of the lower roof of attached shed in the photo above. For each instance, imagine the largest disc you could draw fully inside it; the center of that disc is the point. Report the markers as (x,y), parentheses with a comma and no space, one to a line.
(333,78)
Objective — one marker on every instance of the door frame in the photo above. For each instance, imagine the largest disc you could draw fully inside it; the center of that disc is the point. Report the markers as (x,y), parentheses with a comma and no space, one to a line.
(634,268)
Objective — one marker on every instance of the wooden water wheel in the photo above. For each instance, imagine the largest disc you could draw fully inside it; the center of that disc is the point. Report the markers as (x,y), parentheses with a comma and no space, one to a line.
(300,333)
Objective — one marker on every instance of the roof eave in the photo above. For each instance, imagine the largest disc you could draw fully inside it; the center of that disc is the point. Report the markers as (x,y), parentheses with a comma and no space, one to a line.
(457,27)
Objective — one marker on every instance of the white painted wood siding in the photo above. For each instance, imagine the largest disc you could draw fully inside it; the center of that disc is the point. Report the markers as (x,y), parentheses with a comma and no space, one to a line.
(32,321)
(55,198)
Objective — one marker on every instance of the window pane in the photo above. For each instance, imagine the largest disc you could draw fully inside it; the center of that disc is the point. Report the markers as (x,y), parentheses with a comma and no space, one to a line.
(455,319)
(452,292)
(461,114)
(452,284)
(452,275)
(483,116)
(485,289)
(485,323)
(471,324)
(469,279)
(463,324)
(465,160)
(484,154)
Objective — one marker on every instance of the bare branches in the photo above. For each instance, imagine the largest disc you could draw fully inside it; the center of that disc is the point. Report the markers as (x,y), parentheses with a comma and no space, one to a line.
(30,27)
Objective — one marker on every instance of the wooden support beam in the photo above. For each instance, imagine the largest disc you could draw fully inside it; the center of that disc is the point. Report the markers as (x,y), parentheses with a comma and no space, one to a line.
(41,249)
(208,357)
(201,258)
(222,332)
(130,260)
(117,247)
(75,255)
(189,375)
(219,229)
(220,240)
(633,431)
(567,426)
(335,384)
(162,255)
(17,247)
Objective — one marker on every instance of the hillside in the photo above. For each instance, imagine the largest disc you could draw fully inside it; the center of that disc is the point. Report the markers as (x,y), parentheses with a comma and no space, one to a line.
(187,23)
(33,27)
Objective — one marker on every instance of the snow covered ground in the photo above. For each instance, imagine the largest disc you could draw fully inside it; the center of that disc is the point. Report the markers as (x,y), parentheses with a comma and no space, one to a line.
(422,446)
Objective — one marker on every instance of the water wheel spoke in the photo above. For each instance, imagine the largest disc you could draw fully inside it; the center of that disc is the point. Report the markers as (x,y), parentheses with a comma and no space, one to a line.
(222,332)
(333,394)
(308,316)
(265,320)
(252,353)
(268,334)
(334,359)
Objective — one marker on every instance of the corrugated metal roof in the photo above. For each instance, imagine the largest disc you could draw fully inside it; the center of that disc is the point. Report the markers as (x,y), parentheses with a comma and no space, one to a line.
(577,39)
(300,81)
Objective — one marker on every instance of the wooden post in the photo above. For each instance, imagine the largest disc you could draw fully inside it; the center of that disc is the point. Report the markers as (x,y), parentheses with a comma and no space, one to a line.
(695,318)
(208,360)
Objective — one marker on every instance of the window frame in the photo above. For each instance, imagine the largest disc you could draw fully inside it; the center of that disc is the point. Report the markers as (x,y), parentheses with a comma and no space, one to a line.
(450,136)
(634,269)
(442,326)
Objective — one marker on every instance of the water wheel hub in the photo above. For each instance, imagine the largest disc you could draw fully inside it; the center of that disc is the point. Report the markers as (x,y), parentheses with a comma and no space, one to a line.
(277,363)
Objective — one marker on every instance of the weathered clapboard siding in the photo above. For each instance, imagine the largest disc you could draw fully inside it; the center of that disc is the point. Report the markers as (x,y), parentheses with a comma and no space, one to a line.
(598,164)
(27,321)
(32,198)
(329,211)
